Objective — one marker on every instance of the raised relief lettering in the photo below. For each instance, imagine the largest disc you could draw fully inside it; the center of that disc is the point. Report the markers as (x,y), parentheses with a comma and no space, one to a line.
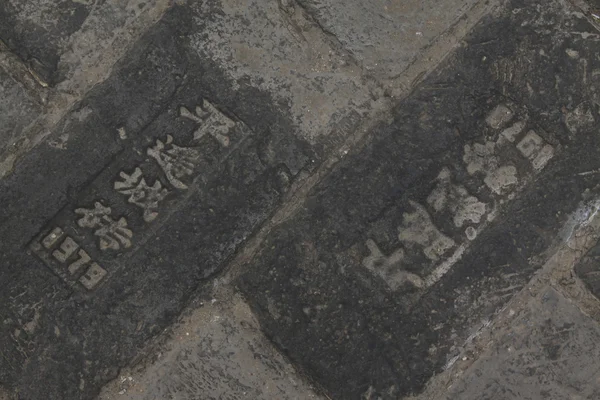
(210,121)
(92,276)
(52,237)
(417,228)
(112,234)
(178,166)
(491,161)
(455,198)
(83,260)
(66,249)
(389,268)
(533,147)
(482,158)
(63,254)
(176,162)
(499,116)
(141,194)
(511,132)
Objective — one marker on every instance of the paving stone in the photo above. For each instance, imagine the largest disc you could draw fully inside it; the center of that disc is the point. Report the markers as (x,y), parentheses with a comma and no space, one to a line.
(152,183)
(217,352)
(587,270)
(548,352)
(59,50)
(413,242)
(386,36)
(17,111)
(35,29)
(52,36)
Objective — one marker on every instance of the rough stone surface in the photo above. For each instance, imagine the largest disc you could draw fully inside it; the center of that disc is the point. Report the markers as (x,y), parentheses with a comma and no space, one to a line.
(58,57)
(17,111)
(347,327)
(35,29)
(594,3)
(217,352)
(589,269)
(284,55)
(386,36)
(548,352)
(154,187)
(243,149)
(49,35)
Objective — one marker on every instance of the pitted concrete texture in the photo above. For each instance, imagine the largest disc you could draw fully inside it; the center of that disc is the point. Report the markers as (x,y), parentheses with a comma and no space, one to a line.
(549,352)
(289,57)
(595,4)
(35,29)
(276,49)
(18,110)
(217,352)
(386,36)
(159,175)
(56,37)
(249,163)
(399,254)
(59,50)
(588,270)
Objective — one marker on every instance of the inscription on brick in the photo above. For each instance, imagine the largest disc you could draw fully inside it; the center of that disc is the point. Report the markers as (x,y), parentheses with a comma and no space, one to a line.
(498,165)
(68,260)
(176,162)
(155,184)
(112,233)
(140,193)
(210,121)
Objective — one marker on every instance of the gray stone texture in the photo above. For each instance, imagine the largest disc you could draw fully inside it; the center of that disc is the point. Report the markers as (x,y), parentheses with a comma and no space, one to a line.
(55,37)
(322,290)
(17,111)
(35,30)
(59,50)
(386,36)
(282,104)
(588,270)
(217,352)
(549,352)
(387,254)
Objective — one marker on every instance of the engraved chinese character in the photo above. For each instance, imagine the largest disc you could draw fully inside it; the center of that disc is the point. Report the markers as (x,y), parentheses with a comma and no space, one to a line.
(113,234)
(499,116)
(211,121)
(176,162)
(141,194)
(389,268)
(483,158)
(455,198)
(417,228)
